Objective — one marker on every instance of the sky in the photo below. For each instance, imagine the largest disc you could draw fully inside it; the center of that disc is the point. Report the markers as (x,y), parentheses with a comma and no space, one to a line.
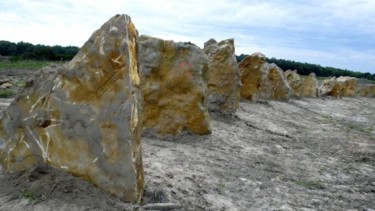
(336,33)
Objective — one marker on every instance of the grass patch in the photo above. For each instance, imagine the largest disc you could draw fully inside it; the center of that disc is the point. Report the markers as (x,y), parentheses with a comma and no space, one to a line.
(32,197)
(220,189)
(314,184)
(359,128)
(6,93)
(23,64)
(20,83)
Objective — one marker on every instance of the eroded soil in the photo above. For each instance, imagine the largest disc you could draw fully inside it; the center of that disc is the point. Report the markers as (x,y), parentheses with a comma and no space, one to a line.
(309,154)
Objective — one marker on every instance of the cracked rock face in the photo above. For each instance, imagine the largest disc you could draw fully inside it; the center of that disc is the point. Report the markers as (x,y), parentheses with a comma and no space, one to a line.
(310,86)
(330,87)
(349,86)
(223,76)
(340,87)
(367,90)
(295,82)
(307,87)
(85,117)
(173,86)
(261,80)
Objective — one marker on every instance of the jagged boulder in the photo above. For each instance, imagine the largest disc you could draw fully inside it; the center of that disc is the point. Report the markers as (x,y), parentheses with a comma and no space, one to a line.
(223,76)
(173,86)
(5,84)
(261,80)
(84,117)
(295,82)
(367,90)
(310,86)
(348,86)
(340,87)
(330,87)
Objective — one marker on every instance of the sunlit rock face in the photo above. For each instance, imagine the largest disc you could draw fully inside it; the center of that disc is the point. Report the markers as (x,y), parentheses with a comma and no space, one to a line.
(340,87)
(295,82)
(223,76)
(84,117)
(330,87)
(261,80)
(310,86)
(348,86)
(173,83)
(367,90)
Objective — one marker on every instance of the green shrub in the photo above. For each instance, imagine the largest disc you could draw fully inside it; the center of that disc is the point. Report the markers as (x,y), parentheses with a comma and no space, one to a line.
(6,93)
(23,64)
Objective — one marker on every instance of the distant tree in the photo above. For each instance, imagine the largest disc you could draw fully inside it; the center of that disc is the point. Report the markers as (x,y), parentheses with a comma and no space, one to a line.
(240,57)
(24,50)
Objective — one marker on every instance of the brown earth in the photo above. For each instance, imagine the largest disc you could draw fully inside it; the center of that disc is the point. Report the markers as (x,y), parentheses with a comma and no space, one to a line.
(309,154)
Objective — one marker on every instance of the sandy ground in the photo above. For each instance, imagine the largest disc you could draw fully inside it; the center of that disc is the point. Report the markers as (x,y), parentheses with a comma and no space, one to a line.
(310,154)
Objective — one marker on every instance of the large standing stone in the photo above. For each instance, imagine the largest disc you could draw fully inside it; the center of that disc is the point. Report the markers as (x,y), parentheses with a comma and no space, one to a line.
(295,82)
(330,87)
(84,117)
(348,86)
(340,87)
(172,82)
(223,76)
(367,90)
(310,86)
(261,80)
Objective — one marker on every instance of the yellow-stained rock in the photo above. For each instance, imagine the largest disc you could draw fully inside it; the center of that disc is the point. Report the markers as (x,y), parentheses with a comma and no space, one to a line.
(295,82)
(348,86)
(172,82)
(84,117)
(330,87)
(367,90)
(341,87)
(310,86)
(261,80)
(223,76)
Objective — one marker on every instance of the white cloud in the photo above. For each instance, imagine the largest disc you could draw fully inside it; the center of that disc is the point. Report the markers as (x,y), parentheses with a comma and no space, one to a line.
(309,31)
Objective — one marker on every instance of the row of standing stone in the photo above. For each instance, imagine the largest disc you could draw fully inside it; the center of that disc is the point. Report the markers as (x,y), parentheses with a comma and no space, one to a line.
(86,117)
(181,83)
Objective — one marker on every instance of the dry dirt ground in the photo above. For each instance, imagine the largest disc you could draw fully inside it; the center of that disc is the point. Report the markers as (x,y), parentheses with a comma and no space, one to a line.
(309,154)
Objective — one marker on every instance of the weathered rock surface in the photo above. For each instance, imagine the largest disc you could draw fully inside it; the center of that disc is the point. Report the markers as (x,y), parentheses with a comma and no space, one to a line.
(223,76)
(330,87)
(84,117)
(6,85)
(261,80)
(173,86)
(310,86)
(348,86)
(367,90)
(295,82)
(340,87)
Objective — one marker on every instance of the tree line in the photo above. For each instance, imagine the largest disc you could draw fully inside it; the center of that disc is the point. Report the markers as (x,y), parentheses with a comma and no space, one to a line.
(307,68)
(24,51)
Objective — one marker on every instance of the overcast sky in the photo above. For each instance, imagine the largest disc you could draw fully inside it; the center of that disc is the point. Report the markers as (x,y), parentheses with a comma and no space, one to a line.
(337,33)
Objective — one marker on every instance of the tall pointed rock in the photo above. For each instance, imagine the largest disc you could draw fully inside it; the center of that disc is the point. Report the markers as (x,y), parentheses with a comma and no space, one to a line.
(223,76)
(85,117)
